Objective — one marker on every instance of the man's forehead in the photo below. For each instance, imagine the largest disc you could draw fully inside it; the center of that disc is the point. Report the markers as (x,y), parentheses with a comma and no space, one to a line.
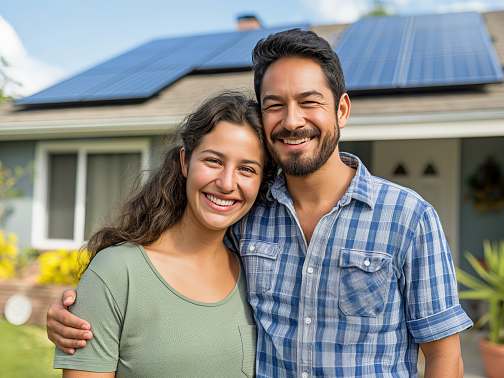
(295,74)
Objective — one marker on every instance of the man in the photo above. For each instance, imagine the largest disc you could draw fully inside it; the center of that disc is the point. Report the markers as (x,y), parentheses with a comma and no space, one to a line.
(347,273)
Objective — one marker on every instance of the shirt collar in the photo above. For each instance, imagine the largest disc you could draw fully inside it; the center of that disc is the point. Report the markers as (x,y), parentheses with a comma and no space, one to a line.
(361,188)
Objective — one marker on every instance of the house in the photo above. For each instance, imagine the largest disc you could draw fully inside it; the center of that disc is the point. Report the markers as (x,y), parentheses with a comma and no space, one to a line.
(88,137)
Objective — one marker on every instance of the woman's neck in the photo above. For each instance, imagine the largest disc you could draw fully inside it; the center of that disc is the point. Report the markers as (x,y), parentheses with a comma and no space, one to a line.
(190,238)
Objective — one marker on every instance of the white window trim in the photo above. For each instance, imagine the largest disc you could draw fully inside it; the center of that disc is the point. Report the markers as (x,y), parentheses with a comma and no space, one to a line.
(40,195)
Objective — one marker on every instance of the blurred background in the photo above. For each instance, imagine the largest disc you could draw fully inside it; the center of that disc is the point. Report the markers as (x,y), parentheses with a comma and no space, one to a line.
(91,93)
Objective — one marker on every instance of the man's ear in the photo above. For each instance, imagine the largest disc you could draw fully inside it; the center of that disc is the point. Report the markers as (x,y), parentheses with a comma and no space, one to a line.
(183,161)
(344,107)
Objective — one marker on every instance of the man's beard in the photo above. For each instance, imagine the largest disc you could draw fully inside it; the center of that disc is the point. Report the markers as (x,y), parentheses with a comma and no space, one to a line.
(295,164)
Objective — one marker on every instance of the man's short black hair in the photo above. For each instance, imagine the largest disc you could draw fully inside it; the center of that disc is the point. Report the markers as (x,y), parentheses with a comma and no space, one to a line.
(298,43)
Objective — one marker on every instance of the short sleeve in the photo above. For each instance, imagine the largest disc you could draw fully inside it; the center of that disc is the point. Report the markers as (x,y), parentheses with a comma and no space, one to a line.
(430,286)
(96,304)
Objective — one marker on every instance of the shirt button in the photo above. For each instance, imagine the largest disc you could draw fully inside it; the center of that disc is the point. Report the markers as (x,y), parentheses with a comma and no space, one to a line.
(304,374)
(367,262)
(307,320)
(309,270)
(252,248)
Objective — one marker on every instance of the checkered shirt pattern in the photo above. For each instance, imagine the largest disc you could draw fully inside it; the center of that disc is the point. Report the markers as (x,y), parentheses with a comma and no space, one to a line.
(375,281)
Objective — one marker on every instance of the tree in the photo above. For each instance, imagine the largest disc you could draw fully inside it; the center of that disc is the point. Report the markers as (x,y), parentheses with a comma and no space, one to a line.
(5,79)
(8,180)
(378,9)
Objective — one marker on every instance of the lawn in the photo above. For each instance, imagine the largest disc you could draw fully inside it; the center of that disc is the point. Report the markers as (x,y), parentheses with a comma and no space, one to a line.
(25,352)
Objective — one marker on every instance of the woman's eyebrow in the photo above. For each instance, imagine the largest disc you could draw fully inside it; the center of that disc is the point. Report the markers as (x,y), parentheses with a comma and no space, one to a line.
(222,156)
(246,161)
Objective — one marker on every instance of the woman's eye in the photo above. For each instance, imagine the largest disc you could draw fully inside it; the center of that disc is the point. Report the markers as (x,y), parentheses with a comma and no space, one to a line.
(248,170)
(212,161)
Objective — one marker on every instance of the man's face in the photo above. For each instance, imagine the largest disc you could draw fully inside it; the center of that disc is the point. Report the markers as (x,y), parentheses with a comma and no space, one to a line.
(299,115)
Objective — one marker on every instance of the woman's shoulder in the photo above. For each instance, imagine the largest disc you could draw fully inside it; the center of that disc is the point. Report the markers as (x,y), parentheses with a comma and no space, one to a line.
(116,261)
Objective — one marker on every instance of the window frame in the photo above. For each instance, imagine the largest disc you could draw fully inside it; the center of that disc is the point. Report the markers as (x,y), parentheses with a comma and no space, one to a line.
(40,213)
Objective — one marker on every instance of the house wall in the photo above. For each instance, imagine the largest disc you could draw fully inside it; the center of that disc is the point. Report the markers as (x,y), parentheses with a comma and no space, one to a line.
(19,219)
(22,154)
(476,226)
(364,150)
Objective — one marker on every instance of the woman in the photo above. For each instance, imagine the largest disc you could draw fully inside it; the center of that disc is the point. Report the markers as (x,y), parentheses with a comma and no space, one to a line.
(164,294)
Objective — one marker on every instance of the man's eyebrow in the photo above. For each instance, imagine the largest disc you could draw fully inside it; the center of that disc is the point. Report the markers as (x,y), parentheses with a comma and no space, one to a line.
(271,98)
(300,95)
(222,156)
(310,93)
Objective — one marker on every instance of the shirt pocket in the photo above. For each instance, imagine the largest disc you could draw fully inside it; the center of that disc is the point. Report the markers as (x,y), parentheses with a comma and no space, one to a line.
(248,335)
(259,260)
(364,282)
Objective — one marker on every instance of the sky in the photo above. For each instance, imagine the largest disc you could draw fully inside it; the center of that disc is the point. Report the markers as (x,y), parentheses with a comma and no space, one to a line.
(46,41)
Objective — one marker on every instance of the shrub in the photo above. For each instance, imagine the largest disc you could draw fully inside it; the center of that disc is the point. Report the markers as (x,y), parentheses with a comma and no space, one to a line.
(61,267)
(8,254)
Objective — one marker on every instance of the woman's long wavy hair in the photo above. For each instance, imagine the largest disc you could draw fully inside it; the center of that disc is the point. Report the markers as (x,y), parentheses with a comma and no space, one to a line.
(161,201)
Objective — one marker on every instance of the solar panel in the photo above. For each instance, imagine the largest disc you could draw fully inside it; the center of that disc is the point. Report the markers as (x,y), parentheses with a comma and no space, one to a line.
(418,51)
(239,55)
(142,72)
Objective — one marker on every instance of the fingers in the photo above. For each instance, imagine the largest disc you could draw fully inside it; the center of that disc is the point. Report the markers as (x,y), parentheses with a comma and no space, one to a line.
(60,314)
(68,297)
(64,332)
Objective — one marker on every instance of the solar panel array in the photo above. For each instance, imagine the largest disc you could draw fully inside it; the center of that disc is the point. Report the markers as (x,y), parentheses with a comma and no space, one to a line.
(144,71)
(377,53)
(418,51)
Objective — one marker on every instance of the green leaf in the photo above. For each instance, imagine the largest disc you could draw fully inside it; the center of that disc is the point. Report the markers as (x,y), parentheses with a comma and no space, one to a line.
(492,278)
(471,282)
(478,294)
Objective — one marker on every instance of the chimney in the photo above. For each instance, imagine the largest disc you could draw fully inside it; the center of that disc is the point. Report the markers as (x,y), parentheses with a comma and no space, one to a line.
(248,22)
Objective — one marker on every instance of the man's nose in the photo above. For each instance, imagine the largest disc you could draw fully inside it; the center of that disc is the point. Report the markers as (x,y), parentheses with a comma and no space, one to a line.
(294,118)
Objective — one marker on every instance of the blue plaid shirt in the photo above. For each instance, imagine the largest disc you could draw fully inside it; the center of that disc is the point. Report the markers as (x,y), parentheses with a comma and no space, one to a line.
(376,280)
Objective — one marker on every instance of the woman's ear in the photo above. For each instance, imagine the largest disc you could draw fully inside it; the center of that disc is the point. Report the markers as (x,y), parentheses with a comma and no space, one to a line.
(183,162)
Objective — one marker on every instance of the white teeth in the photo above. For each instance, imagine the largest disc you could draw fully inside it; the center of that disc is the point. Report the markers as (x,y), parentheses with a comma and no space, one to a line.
(219,201)
(295,141)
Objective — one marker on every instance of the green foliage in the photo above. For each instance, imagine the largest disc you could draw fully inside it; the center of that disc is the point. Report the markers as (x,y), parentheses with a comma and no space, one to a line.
(378,9)
(487,284)
(8,180)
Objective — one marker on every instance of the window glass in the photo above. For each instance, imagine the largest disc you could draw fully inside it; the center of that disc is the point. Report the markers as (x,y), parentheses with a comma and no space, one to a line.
(61,195)
(109,180)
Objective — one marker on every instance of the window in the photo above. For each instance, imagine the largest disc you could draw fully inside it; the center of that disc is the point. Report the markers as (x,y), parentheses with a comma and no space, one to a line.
(79,187)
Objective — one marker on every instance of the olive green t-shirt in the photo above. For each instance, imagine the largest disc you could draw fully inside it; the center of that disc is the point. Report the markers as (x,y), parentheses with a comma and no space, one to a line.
(144,328)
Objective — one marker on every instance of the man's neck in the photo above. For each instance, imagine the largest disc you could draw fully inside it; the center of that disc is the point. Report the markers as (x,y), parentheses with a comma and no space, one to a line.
(324,187)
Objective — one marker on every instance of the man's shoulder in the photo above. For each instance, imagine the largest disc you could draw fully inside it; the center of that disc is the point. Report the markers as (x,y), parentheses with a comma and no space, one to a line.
(402,204)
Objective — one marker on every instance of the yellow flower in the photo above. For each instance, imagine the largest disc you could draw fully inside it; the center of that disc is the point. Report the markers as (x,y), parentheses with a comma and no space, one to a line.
(8,254)
(61,267)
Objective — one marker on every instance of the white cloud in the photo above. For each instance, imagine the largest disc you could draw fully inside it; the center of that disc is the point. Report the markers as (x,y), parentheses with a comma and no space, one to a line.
(340,11)
(438,6)
(31,74)
(344,11)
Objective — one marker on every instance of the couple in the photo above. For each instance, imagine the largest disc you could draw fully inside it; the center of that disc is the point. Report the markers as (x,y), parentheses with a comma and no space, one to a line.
(347,274)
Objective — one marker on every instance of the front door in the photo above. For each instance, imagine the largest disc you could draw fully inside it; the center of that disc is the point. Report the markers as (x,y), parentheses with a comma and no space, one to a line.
(431,168)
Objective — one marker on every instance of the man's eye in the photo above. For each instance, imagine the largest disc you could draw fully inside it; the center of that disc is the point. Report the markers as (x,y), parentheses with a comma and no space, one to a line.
(273,106)
(309,103)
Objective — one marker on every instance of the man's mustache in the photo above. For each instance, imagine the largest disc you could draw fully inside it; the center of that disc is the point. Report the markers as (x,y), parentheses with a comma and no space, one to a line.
(306,132)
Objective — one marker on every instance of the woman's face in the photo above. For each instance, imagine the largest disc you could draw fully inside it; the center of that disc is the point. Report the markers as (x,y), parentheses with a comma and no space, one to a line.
(223,175)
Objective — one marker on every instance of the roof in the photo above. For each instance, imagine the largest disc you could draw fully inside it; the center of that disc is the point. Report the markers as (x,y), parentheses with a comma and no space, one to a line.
(164,111)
